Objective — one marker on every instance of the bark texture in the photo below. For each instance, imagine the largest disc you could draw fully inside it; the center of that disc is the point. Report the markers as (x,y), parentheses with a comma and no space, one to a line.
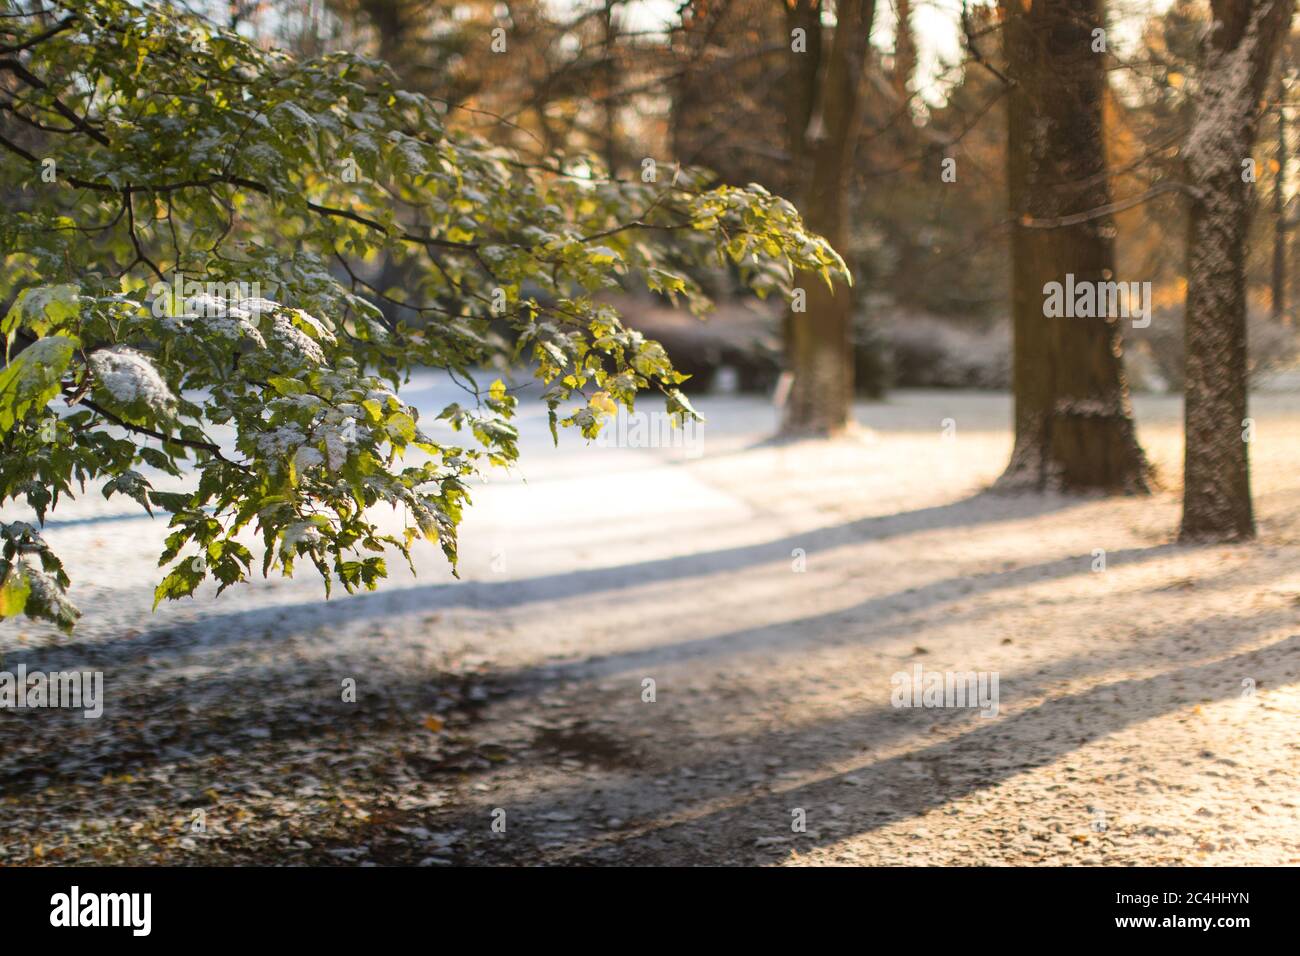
(1074,426)
(1238,59)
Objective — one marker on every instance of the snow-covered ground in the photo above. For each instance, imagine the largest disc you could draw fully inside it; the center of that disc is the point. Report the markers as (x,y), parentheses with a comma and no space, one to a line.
(1147,712)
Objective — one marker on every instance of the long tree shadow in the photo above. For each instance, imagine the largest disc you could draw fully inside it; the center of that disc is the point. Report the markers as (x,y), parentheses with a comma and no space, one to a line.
(298,701)
(714,790)
(890,790)
(880,610)
(232,627)
(805,632)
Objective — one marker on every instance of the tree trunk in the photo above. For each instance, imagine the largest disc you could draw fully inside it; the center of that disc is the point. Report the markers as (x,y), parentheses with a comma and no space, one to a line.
(1237,63)
(1074,425)
(904,50)
(820,339)
(1280,227)
(800,88)
(610,75)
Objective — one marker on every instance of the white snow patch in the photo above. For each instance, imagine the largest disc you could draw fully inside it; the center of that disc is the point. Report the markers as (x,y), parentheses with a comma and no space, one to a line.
(130,377)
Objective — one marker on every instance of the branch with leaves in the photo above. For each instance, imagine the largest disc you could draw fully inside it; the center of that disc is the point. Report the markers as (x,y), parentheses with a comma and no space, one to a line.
(189,247)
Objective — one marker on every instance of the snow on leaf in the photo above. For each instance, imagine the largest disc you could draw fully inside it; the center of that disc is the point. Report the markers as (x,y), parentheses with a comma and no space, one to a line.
(296,341)
(131,379)
(33,377)
(215,315)
(278,442)
(46,599)
(40,308)
(313,326)
(304,533)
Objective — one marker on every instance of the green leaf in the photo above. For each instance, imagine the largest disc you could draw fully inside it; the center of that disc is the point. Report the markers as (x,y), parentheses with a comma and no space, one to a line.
(13,595)
(39,309)
(181,582)
(33,378)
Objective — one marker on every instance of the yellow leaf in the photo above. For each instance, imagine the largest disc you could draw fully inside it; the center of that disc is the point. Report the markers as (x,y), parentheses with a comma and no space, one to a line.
(603,403)
(433,723)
